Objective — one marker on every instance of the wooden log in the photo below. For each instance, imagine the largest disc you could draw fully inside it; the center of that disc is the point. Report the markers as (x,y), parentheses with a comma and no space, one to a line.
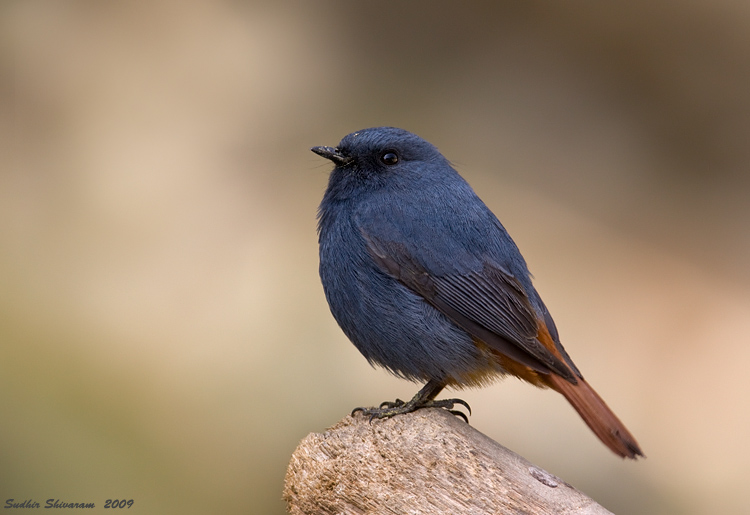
(426,462)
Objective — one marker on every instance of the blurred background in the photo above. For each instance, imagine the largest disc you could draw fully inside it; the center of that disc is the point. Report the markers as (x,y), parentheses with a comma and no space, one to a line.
(163,333)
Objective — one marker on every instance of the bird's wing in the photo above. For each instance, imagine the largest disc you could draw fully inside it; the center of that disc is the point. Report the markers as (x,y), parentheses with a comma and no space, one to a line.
(490,304)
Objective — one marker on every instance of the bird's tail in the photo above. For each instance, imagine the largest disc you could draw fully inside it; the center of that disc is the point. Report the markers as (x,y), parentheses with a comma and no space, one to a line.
(597,416)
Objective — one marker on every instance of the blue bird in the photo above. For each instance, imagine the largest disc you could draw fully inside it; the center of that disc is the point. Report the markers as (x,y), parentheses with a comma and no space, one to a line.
(426,282)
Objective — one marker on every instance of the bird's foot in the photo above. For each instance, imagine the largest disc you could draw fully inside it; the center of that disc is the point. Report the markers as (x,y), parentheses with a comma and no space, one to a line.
(389,409)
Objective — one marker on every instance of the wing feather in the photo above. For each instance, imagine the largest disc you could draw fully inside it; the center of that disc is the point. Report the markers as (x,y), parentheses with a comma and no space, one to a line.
(489,304)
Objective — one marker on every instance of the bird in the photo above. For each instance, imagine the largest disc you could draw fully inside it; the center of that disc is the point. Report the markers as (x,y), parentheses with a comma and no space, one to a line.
(426,282)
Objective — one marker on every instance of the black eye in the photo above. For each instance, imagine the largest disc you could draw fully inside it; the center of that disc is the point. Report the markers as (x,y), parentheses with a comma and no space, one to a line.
(389,157)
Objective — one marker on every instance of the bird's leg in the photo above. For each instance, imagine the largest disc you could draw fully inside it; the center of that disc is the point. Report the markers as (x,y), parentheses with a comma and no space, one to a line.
(425,398)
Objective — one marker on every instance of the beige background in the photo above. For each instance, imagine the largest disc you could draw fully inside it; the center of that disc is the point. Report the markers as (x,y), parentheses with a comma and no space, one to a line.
(163,333)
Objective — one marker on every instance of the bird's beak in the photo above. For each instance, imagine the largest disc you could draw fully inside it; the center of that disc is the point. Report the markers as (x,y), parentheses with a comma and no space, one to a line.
(334,154)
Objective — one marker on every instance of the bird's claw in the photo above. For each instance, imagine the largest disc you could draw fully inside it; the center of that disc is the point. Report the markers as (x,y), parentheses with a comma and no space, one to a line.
(391,404)
(388,409)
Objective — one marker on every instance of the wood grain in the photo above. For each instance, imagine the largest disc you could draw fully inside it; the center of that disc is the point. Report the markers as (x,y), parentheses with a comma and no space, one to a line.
(423,462)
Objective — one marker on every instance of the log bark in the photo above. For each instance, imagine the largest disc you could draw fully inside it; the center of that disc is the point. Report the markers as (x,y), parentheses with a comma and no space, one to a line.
(426,462)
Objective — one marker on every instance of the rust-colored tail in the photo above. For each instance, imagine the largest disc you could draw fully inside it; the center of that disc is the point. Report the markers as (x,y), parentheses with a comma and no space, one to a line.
(597,416)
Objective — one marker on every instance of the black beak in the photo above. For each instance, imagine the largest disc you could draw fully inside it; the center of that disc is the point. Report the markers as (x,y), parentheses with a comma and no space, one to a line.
(333,154)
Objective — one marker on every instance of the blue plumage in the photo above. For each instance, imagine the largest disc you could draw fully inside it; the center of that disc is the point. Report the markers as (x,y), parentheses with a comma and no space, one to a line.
(423,204)
(426,282)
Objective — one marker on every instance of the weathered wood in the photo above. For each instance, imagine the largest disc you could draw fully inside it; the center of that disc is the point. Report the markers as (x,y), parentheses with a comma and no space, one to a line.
(424,462)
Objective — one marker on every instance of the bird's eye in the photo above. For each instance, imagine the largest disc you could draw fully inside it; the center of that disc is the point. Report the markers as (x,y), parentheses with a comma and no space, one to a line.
(389,157)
